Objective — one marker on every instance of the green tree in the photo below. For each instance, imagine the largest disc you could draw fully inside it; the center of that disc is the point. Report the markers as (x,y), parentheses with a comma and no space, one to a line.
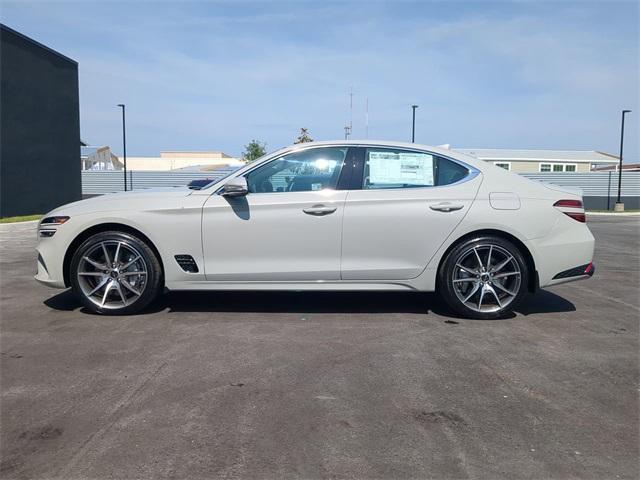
(304,136)
(254,150)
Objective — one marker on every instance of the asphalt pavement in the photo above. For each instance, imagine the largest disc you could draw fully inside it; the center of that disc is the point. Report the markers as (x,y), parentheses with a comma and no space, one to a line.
(322,385)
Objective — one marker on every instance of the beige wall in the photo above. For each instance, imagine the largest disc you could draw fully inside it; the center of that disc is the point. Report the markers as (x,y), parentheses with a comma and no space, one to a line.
(174,160)
(534,167)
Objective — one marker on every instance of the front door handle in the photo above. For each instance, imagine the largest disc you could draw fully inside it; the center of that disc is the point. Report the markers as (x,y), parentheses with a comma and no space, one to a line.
(319,210)
(446,207)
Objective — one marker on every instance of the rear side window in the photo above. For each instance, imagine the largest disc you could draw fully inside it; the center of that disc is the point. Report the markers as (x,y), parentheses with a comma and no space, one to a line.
(393,168)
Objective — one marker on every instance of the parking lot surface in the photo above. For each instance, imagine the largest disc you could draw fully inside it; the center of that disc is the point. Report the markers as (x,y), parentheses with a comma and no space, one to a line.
(306,385)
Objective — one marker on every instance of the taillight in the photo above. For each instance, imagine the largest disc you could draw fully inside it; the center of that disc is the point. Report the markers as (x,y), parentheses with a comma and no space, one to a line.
(568,203)
(572,208)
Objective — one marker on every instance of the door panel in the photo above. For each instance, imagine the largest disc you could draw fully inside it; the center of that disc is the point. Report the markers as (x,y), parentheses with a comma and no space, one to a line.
(269,237)
(392,233)
(288,228)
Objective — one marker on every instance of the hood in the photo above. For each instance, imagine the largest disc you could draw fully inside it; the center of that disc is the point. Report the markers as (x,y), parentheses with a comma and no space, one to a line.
(134,199)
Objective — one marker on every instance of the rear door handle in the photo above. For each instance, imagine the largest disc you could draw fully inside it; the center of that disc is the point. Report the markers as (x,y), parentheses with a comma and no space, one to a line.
(446,207)
(319,210)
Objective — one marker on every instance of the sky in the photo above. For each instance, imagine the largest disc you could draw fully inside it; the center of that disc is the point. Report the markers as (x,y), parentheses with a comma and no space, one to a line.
(213,75)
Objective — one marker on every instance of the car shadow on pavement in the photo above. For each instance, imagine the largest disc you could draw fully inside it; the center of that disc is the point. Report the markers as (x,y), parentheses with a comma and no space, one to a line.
(316,302)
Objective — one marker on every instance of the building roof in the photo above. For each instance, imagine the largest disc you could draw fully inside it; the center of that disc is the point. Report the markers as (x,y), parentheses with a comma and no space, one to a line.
(86,151)
(625,166)
(35,42)
(574,156)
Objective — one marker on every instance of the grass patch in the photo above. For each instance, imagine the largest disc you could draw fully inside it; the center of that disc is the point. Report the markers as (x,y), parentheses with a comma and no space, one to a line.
(20,218)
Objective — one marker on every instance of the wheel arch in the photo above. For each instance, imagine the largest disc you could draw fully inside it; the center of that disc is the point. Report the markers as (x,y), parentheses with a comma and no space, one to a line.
(533,283)
(103,227)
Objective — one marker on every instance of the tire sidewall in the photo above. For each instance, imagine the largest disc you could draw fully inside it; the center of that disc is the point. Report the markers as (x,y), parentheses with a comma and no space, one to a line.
(154,272)
(445,277)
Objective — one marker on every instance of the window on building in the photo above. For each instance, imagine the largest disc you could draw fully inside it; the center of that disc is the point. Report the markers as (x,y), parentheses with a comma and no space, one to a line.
(505,165)
(558,167)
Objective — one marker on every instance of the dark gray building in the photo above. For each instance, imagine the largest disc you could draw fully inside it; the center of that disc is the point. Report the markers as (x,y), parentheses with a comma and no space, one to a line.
(39,127)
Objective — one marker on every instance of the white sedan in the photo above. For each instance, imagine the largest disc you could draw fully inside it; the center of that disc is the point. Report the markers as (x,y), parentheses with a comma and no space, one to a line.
(346,215)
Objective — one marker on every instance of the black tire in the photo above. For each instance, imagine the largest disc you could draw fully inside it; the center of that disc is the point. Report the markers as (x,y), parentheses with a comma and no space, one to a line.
(149,282)
(480,248)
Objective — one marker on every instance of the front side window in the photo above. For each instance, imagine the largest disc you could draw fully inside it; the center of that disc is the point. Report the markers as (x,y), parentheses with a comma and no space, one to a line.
(306,171)
(392,168)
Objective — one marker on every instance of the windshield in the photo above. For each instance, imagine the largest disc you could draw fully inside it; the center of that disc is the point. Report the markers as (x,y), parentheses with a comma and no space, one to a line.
(199,184)
(257,160)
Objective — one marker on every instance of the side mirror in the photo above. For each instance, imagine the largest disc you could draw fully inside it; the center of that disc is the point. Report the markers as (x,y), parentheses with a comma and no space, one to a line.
(236,187)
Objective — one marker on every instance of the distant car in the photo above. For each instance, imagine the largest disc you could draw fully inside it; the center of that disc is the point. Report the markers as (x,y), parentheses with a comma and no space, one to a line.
(199,183)
(347,215)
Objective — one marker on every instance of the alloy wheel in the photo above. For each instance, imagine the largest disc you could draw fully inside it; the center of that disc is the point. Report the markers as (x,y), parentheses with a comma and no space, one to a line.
(112,274)
(486,278)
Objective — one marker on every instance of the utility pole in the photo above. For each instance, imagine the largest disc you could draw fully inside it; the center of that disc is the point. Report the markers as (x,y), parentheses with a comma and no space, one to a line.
(124,145)
(366,119)
(619,207)
(413,127)
(351,110)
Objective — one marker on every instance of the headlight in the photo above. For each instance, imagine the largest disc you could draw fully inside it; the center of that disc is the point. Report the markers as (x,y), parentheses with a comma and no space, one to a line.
(45,230)
(54,220)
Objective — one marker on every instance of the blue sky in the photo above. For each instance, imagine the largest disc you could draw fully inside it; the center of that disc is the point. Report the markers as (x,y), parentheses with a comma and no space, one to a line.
(214,75)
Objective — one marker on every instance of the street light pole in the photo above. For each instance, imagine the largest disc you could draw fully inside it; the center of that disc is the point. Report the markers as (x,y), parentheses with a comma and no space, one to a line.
(124,145)
(413,125)
(619,205)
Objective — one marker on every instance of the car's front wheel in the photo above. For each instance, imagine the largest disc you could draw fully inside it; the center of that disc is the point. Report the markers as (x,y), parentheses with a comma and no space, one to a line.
(115,273)
(483,277)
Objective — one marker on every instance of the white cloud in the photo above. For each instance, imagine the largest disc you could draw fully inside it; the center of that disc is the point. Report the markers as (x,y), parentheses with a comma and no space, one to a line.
(203,76)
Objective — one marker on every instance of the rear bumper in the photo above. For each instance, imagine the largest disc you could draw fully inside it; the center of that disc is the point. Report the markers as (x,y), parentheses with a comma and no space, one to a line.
(588,269)
(581,272)
(557,255)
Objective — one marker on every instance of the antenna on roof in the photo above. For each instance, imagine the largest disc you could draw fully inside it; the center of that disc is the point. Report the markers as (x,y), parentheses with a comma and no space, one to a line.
(349,128)
(366,119)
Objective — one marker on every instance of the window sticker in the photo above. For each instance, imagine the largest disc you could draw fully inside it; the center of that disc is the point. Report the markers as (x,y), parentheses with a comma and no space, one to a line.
(316,186)
(403,168)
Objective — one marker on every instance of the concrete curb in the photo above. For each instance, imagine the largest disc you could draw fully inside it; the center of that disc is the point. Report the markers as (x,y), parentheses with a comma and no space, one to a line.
(614,214)
(7,226)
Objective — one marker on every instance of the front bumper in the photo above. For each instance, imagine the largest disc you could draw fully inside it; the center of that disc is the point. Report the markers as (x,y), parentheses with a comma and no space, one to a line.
(43,277)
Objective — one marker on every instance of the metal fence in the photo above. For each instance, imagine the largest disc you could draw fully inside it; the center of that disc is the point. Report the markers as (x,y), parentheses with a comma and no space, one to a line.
(593,184)
(599,188)
(99,182)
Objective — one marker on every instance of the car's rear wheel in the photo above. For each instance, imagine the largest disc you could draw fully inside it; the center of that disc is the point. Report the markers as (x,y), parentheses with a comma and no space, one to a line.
(115,273)
(483,277)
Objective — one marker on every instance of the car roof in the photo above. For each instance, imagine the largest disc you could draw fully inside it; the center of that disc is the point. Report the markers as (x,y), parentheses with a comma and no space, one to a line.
(445,152)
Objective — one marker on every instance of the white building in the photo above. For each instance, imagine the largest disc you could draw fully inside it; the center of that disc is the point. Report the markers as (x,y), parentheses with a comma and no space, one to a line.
(180,160)
(98,158)
(535,161)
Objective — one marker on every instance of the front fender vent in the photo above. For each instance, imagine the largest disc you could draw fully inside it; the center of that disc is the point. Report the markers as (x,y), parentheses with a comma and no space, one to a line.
(187,263)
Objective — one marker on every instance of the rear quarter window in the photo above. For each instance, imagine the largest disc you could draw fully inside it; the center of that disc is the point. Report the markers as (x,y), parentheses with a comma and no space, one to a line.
(395,168)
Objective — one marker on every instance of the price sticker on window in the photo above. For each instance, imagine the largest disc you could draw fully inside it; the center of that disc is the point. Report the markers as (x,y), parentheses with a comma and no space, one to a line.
(402,168)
